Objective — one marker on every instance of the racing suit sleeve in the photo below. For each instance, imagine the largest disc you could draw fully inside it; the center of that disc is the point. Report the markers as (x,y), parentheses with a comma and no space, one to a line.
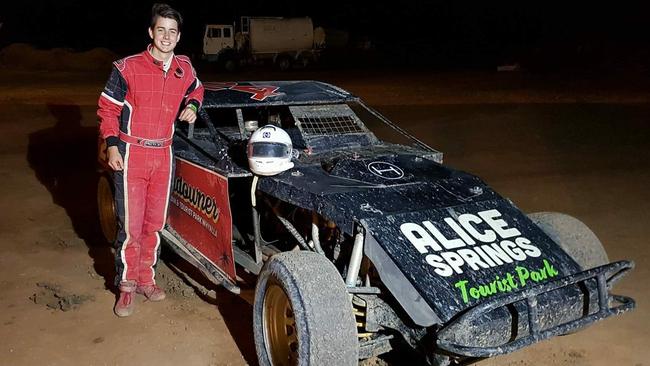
(110,106)
(194,94)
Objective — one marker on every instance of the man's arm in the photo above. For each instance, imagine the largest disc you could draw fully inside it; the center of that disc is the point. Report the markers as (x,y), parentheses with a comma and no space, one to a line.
(111,102)
(194,98)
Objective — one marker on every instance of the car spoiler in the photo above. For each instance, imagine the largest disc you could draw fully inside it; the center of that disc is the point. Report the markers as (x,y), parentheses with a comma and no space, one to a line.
(605,277)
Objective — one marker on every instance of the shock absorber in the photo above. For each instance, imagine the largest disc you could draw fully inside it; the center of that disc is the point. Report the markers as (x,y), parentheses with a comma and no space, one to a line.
(355,260)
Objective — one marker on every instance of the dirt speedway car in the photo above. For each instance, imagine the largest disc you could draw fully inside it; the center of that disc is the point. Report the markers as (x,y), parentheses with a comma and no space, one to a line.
(370,243)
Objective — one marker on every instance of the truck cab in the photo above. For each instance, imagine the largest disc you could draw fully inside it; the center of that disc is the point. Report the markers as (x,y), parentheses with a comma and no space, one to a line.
(216,39)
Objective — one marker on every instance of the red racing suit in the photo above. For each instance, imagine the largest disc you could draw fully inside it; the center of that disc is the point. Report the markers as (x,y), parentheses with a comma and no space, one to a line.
(137,111)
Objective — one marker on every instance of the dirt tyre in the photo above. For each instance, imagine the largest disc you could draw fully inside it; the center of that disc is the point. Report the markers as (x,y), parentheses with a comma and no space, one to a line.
(106,206)
(573,236)
(302,314)
(283,62)
(230,65)
(304,61)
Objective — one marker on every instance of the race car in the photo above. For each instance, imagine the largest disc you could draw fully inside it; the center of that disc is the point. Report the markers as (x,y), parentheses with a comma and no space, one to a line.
(363,244)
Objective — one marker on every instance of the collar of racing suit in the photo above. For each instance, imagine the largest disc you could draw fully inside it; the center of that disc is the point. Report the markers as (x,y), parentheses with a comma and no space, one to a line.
(164,66)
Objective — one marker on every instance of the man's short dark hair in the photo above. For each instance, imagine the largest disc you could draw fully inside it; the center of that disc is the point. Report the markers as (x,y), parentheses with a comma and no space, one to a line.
(165,11)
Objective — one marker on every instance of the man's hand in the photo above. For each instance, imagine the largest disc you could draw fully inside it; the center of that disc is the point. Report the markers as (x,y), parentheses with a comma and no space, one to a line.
(115,158)
(188,115)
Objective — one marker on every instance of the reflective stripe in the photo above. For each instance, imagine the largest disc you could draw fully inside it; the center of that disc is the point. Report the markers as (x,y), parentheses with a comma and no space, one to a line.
(115,101)
(169,187)
(155,258)
(128,123)
(126,212)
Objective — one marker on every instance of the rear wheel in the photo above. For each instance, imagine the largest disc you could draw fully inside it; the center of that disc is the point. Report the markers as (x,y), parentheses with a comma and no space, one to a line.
(573,236)
(283,62)
(106,206)
(230,65)
(303,61)
(302,313)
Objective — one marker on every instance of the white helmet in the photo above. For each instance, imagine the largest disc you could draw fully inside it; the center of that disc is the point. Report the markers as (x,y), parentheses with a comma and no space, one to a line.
(269,151)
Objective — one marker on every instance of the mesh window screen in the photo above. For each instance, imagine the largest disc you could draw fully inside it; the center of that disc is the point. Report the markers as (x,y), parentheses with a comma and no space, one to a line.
(336,119)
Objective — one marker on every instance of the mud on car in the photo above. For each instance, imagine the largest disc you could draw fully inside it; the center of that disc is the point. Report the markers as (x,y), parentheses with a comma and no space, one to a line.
(369,243)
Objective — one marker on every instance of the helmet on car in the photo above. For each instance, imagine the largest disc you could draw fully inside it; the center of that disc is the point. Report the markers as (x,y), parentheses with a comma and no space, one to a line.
(269,151)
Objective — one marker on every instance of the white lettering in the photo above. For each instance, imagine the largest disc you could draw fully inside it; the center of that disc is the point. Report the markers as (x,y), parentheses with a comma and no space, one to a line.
(454,260)
(498,225)
(441,268)
(466,221)
(447,243)
(513,250)
(472,259)
(454,242)
(529,249)
(420,242)
(463,235)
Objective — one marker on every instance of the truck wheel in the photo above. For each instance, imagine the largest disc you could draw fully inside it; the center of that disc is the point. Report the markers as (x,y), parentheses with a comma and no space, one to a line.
(106,206)
(230,65)
(283,62)
(303,61)
(573,236)
(302,314)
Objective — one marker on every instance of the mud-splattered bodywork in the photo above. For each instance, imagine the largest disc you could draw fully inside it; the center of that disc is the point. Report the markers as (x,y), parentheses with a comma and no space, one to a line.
(443,242)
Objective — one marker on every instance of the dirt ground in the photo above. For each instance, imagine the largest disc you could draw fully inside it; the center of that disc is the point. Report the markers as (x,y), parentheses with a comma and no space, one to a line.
(550,143)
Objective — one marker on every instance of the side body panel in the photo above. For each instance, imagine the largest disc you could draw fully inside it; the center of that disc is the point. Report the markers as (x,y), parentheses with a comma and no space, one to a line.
(199,212)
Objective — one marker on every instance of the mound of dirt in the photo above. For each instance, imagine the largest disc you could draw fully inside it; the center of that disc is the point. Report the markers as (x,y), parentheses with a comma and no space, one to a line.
(24,56)
(54,297)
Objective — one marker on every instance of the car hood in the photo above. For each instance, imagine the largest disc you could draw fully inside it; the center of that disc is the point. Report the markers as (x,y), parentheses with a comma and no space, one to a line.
(449,259)
(348,188)
(442,239)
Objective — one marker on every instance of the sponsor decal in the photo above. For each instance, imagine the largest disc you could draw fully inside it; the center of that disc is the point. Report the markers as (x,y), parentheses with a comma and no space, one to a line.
(469,242)
(385,170)
(194,215)
(196,198)
(259,92)
(200,213)
(521,277)
(119,64)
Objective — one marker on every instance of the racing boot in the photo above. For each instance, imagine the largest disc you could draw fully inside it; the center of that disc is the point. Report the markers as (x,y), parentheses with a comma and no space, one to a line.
(124,305)
(151,292)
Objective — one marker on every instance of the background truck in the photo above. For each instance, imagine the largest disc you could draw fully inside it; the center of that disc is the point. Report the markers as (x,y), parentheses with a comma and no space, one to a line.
(285,42)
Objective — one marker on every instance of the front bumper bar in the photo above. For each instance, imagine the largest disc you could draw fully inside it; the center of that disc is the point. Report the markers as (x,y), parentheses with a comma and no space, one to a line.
(605,276)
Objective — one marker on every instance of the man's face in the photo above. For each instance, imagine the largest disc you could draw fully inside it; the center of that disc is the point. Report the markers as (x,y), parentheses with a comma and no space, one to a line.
(165,35)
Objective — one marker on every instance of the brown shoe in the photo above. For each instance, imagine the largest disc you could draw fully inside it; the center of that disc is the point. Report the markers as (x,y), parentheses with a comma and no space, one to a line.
(124,305)
(151,292)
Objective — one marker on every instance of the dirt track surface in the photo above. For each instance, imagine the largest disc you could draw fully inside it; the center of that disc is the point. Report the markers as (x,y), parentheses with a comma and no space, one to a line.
(549,144)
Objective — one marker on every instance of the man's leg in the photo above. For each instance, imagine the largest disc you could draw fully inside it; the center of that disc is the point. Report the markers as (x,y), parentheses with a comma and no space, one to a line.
(154,220)
(130,189)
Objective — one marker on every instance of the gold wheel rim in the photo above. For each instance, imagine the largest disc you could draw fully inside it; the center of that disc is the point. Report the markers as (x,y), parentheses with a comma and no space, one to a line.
(107,211)
(279,326)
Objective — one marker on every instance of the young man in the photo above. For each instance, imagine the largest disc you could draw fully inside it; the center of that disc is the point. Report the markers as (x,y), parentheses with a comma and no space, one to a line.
(144,95)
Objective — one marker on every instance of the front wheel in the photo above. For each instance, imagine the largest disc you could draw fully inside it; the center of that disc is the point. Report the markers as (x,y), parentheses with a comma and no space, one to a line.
(573,236)
(302,313)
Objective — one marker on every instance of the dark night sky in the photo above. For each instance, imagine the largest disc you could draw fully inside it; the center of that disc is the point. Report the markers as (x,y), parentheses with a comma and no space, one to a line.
(449,31)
